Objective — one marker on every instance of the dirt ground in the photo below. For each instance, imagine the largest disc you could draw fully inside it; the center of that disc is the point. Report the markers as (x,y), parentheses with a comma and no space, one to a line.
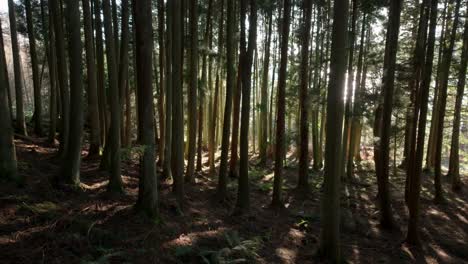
(39,224)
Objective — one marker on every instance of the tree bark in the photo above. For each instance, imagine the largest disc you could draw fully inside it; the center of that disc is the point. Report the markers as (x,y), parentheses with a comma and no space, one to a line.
(8,163)
(177,100)
(388,82)
(35,71)
(230,83)
(277,200)
(243,194)
(454,165)
(303,181)
(95,140)
(70,171)
(148,189)
(330,241)
(20,120)
(442,100)
(115,180)
(62,76)
(417,148)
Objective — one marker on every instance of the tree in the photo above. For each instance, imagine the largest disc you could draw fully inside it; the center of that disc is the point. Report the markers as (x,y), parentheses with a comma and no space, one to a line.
(454,165)
(20,120)
(330,234)
(95,140)
(230,83)
(49,40)
(177,103)
(56,11)
(167,171)
(281,105)
(8,164)
(148,189)
(123,68)
(115,180)
(442,101)
(388,82)
(102,98)
(263,144)
(303,181)
(35,71)
(70,171)
(417,141)
(192,98)
(246,56)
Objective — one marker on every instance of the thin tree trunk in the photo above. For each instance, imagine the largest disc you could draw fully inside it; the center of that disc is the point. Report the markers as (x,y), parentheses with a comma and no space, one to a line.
(445,74)
(330,239)
(303,181)
(277,200)
(62,76)
(391,47)
(454,160)
(20,120)
(417,149)
(95,141)
(177,107)
(49,40)
(192,98)
(167,170)
(115,181)
(35,71)
(243,195)
(102,98)
(230,83)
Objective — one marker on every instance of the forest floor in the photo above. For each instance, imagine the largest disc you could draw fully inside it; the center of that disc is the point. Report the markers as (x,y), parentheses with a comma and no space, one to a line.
(39,224)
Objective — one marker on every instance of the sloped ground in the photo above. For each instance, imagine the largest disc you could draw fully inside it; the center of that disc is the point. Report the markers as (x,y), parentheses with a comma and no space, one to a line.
(39,224)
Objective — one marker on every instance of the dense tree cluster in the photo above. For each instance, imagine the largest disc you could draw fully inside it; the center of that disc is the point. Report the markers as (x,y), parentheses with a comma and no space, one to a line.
(265,81)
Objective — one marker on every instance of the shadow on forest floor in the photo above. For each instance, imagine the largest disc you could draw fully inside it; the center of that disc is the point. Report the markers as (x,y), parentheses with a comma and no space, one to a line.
(39,224)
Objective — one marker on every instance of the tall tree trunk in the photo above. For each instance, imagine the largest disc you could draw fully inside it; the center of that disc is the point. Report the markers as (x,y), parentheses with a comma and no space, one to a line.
(192,98)
(442,100)
(115,26)
(330,235)
(230,83)
(417,148)
(123,64)
(454,161)
(70,171)
(162,86)
(49,40)
(20,120)
(115,181)
(414,84)
(303,181)
(8,164)
(167,170)
(233,166)
(277,200)
(148,189)
(388,82)
(177,100)
(243,194)
(263,144)
(62,76)
(102,98)
(431,142)
(35,71)
(349,90)
(358,94)
(95,140)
